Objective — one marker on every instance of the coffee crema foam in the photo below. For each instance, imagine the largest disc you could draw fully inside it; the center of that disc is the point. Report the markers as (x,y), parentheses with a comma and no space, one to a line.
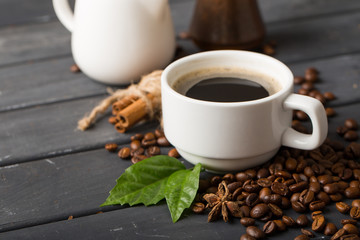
(185,82)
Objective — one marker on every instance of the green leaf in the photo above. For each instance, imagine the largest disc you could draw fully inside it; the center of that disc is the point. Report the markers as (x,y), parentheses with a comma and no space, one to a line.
(144,182)
(181,189)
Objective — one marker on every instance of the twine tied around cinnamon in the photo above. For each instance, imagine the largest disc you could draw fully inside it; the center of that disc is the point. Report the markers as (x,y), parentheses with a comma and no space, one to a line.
(130,105)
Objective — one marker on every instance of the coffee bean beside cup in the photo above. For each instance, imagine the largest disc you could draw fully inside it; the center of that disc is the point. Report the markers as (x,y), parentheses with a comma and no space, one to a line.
(241,131)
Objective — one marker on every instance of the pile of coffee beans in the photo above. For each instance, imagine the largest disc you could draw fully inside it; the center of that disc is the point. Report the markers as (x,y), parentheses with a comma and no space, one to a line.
(143,146)
(307,83)
(348,130)
(306,181)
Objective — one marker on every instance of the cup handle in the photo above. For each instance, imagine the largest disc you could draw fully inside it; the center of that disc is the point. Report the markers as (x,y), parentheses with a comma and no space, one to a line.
(316,112)
(64,13)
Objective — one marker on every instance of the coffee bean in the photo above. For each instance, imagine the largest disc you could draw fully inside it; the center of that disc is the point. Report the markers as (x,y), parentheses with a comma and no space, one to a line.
(315,187)
(302,237)
(135,152)
(330,112)
(229,178)
(252,199)
(298,187)
(351,135)
(233,186)
(355,203)
(311,74)
(348,221)
(111,147)
(288,221)
(351,124)
(277,212)
(352,192)
(124,153)
(329,96)
(242,177)
(153,151)
(279,188)
(135,144)
(255,232)
(262,173)
(234,209)
(331,188)
(259,210)
(341,130)
(307,233)
(298,206)
(318,223)
(351,229)
(315,214)
(265,193)
(302,220)
(137,136)
(148,140)
(245,210)
(301,115)
(247,237)
(251,173)
(299,80)
(338,234)
(269,228)
(323,196)
(353,149)
(350,237)
(198,207)
(342,207)
(306,197)
(245,221)
(138,158)
(264,182)
(355,213)
(173,153)
(317,205)
(162,141)
(321,98)
(330,229)
(285,203)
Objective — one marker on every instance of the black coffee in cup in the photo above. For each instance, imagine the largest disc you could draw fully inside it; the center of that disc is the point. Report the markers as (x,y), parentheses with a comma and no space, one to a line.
(227,89)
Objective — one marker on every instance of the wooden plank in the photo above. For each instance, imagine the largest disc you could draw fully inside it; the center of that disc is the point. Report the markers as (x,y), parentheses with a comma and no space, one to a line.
(43,191)
(50,130)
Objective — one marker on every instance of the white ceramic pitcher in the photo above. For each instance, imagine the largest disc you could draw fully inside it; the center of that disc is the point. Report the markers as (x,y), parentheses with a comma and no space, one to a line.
(117,41)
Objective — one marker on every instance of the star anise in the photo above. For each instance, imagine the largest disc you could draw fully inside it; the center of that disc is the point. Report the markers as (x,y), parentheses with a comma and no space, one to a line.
(221,204)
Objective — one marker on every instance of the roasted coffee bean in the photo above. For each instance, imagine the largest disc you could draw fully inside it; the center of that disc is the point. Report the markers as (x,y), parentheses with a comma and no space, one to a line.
(280,225)
(275,199)
(124,153)
(262,173)
(233,186)
(277,212)
(317,205)
(242,177)
(162,141)
(307,86)
(215,181)
(354,183)
(350,237)
(346,174)
(323,196)
(315,187)
(137,136)
(299,80)
(285,203)
(251,173)
(284,174)
(259,210)
(173,153)
(329,96)
(290,164)
(255,232)
(251,186)
(298,187)
(336,197)
(135,144)
(264,182)
(203,185)
(302,220)
(135,152)
(306,197)
(325,179)
(302,237)
(355,203)
(229,178)
(342,207)
(331,188)
(111,147)
(138,158)
(295,197)
(315,214)
(351,135)
(318,223)
(353,149)
(279,188)
(234,209)
(153,151)
(198,207)
(301,115)
(245,221)
(267,217)
(307,233)
(148,140)
(252,199)
(211,189)
(311,74)
(288,221)
(298,207)
(269,228)
(355,213)
(341,130)
(348,221)
(351,124)
(338,234)
(351,229)
(265,193)
(245,210)
(352,192)
(330,229)
(247,237)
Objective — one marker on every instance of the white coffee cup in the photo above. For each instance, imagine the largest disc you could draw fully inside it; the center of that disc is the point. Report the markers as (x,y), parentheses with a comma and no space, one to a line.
(230,136)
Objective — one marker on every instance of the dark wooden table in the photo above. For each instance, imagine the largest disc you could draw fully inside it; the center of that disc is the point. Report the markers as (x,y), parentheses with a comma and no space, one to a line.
(50,171)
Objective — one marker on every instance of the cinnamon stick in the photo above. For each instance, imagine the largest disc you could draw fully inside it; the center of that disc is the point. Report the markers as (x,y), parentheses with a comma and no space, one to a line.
(123,103)
(133,113)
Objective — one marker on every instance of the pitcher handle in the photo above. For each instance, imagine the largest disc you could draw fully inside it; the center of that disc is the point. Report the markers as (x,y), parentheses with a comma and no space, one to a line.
(64,13)
(316,112)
